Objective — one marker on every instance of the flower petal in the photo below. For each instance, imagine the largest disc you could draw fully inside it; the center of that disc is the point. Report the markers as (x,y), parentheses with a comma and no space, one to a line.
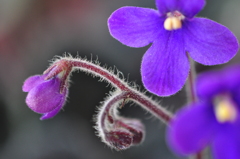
(208,42)
(165,65)
(229,82)
(226,144)
(134,26)
(189,8)
(31,82)
(57,109)
(52,113)
(165,6)
(45,97)
(208,80)
(192,129)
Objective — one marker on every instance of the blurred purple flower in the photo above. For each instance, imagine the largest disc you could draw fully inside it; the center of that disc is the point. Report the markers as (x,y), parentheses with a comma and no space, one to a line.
(44,96)
(173,32)
(214,120)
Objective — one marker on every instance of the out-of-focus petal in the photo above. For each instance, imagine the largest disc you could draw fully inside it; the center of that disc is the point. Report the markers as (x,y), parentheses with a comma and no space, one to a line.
(226,143)
(209,84)
(192,129)
(189,8)
(165,65)
(208,42)
(45,97)
(134,26)
(222,81)
(231,75)
(31,82)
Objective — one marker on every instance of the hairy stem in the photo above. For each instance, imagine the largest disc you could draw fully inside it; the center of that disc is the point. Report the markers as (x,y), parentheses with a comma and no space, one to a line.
(132,94)
(105,112)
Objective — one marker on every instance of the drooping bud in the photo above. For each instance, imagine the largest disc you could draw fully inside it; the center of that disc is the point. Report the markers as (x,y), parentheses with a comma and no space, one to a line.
(119,139)
(135,127)
(124,133)
(47,93)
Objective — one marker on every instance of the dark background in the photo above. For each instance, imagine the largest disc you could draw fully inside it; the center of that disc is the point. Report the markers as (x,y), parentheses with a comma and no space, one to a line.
(32,32)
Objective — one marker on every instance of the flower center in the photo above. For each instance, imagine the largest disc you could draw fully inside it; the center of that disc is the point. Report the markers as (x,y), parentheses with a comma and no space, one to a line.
(225,109)
(173,21)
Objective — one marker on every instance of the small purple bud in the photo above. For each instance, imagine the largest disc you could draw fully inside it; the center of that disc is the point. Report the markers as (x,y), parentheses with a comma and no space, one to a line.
(47,93)
(31,82)
(119,139)
(44,96)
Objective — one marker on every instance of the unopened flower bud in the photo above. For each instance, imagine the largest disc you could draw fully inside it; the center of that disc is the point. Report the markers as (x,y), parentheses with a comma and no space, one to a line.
(135,127)
(44,96)
(119,139)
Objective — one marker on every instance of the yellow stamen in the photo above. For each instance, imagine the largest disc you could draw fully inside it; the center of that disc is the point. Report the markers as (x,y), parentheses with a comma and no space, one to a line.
(172,23)
(225,110)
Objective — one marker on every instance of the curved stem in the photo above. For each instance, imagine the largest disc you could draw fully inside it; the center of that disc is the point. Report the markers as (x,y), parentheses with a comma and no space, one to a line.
(97,70)
(105,111)
(117,132)
(140,98)
(151,106)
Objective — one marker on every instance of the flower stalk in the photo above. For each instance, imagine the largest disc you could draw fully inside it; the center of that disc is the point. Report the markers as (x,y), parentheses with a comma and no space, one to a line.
(106,75)
(118,132)
(191,92)
(190,85)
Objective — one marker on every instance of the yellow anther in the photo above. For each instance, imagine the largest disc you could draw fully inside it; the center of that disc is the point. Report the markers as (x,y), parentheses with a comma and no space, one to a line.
(172,23)
(177,24)
(168,24)
(225,110)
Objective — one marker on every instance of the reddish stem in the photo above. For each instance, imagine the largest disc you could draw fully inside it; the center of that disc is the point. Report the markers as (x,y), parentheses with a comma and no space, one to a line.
(199,155)
(90,67)
(106,111)
(151,106)
(136,96)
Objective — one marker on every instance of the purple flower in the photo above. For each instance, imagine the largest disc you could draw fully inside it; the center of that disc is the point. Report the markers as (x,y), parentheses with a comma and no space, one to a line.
(174,33)
(214,120)
(44,96)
